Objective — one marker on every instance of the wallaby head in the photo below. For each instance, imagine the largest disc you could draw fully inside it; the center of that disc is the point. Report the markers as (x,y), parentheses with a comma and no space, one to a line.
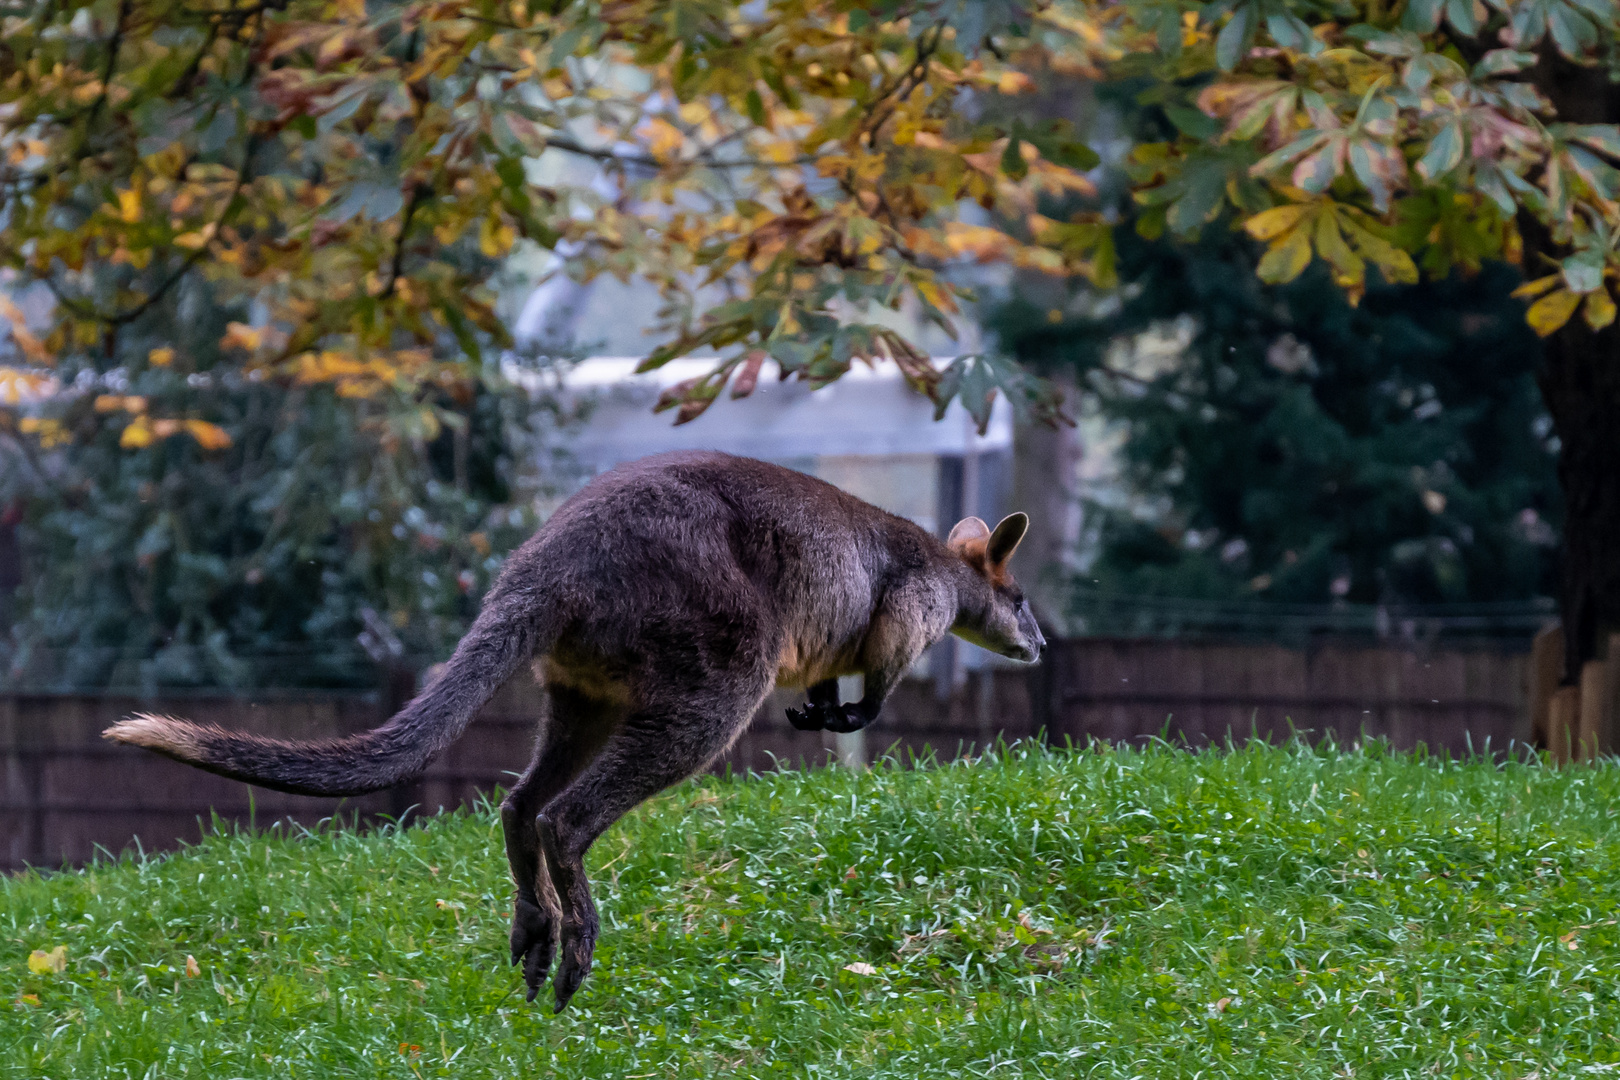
(996,617)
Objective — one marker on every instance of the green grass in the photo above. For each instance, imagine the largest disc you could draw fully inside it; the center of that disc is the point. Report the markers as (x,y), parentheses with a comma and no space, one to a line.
(1262,912)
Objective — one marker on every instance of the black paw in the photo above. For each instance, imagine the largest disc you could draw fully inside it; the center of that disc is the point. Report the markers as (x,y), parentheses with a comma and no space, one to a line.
(533,940)
(839,719)
(809,718)
(842,719)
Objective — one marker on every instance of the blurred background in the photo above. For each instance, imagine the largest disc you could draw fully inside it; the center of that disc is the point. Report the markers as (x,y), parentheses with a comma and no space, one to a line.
(1275,511)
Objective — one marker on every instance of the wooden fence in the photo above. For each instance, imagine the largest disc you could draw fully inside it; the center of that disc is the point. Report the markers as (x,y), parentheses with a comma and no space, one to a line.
(65,793)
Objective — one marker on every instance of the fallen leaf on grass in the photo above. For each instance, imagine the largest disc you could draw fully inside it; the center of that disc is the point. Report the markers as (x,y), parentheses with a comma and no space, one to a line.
(861,967)
(40,961)
(192,970)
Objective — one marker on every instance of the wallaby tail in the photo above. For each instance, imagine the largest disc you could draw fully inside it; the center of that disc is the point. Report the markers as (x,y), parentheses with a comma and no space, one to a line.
(499,641)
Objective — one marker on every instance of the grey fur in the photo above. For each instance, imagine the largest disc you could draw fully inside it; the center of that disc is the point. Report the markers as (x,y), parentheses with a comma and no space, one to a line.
(661,604)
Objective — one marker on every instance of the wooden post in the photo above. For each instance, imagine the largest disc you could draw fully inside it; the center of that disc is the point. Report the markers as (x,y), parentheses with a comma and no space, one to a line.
(1563,717)
(1592,724)
(1546,672)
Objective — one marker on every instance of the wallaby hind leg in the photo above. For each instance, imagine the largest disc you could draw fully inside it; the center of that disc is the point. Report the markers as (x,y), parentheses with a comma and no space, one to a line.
(573,730)
(655,748)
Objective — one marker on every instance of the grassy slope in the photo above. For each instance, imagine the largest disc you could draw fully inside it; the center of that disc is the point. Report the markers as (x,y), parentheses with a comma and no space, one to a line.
(1258,913)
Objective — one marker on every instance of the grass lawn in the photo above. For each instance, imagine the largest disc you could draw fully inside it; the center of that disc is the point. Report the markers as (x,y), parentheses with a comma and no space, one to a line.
(1263,912)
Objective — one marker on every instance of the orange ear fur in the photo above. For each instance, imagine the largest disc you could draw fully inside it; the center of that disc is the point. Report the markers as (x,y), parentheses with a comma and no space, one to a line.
(965,532)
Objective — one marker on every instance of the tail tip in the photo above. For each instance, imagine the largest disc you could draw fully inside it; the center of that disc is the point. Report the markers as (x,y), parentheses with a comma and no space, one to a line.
(152,731)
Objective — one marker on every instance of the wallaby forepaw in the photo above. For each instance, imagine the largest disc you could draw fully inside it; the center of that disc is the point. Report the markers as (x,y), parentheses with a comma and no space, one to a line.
(533,939)
(808,718)
(843,719)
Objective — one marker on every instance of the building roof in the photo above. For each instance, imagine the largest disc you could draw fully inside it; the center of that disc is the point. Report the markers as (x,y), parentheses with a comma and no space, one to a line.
(871,411)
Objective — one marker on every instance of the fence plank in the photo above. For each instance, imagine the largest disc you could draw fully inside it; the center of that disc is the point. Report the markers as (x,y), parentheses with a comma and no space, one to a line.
(64,791)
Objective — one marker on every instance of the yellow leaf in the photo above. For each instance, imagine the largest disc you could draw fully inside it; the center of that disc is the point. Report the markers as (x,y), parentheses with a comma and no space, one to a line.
(1015,82)
(138,434)
(40,962)
(208,436)
(663,138)
(192,970)
(16,384)
(1270,223)
(1287,258)
(980,241)
(241,336)
(1348,269)
(31,346)
(1599,309)
(1536,287)
(931,292)
(495,237)
(160,357)
(49,432)
(1552,311)
(129,206)
(191,241)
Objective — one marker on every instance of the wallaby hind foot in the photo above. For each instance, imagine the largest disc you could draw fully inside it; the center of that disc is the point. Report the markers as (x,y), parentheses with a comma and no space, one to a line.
(572,731)
(655,747)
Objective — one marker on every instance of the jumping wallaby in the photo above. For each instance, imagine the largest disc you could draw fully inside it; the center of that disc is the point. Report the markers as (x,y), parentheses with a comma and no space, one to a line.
(660,603)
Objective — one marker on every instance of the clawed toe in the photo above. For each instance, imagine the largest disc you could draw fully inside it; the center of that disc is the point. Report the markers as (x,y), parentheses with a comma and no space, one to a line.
(532,944)
(573,965)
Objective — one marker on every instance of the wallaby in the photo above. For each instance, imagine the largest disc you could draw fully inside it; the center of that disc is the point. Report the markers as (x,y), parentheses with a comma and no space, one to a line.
(660,603)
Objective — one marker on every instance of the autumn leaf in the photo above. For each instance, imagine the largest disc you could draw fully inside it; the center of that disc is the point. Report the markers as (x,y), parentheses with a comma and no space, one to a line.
(1599,309)
(41,962)
(137,434)
(1552,311)
(208,436)
(240,336)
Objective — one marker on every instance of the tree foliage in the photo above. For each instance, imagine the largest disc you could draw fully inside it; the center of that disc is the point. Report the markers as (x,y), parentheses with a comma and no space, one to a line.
(169,561)
(1302,450)
(356,171)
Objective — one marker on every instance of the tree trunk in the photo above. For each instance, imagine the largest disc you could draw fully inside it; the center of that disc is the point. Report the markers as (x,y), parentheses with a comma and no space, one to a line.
(1580,383)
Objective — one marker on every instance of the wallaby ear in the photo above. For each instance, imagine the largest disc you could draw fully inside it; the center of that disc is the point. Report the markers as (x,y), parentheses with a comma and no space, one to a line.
(1004,541)
(966,531)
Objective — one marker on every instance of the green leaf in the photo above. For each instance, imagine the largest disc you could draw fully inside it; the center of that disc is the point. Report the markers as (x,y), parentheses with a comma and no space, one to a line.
(756,107)
(1503,62)
(1012,161)
(1193,123)
(1290,32)
(1460,14)
(1233,40)
(1572,32)
(1316,171)
(1423,16)
(1601,137)
(1203,192)
(1444,152)
(1583,271)
(1278,158)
